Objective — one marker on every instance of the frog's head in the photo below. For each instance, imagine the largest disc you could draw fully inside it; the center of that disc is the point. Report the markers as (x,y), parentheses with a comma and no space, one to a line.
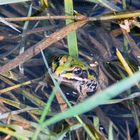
(75,73)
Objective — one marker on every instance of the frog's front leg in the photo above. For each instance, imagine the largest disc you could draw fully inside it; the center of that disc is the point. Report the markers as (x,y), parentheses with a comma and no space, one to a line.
(42,83)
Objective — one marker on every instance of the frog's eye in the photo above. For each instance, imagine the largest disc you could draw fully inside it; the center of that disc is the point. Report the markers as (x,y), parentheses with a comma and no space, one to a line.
(77,71)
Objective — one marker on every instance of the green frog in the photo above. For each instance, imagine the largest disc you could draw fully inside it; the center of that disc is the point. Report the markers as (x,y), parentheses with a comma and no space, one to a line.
(76,74)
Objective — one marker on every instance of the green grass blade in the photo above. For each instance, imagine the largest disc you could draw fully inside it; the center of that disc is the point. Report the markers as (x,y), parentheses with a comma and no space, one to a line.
(124,4)
(71,38)
(23,40)
(46,108)
(98,99)
(131,96)
(110,132)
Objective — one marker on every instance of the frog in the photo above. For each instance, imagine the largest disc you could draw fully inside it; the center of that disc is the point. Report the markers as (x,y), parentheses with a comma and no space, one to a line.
(72,72)
(76,74)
